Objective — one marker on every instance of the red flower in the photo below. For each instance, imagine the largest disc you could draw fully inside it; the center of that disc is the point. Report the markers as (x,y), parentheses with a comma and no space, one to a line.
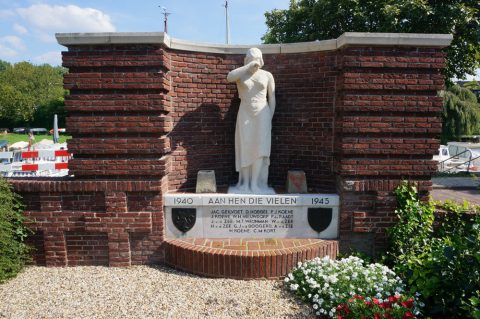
(377,316)
(393,298)
(376,301)
(408,303)
(408,314)
(339,317)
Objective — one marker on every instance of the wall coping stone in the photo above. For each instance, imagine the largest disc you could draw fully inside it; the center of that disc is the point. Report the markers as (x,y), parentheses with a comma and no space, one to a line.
(346,39)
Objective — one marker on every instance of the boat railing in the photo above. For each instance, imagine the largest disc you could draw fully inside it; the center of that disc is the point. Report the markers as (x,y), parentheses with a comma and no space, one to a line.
(468,162)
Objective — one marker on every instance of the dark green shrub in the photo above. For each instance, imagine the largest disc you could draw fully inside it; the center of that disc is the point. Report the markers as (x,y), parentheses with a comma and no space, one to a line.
(441,262)
(14,253)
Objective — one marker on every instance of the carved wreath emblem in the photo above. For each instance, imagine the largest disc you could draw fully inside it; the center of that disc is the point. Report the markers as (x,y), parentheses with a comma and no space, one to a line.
(184,218)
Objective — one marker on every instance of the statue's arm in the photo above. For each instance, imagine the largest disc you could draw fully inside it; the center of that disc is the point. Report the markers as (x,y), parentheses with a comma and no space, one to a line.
(235,75)
(271,93)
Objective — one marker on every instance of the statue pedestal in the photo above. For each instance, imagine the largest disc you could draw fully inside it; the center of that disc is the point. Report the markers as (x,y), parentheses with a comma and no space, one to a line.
(251,216)
(234,190)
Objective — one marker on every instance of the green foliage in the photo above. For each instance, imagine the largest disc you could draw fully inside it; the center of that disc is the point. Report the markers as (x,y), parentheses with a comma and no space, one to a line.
(309,20)
(440,260)
(4,65)
(29,91)
(415,224)
(14,253)
(43,116)
(461,113)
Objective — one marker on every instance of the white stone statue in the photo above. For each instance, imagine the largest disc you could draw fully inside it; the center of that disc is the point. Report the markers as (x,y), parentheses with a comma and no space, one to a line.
(253,132)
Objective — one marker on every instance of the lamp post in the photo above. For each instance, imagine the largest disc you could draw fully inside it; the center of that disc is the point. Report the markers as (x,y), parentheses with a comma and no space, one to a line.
(227,24)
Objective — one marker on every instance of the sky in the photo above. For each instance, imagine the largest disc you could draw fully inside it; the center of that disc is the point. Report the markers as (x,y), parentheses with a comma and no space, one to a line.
(28,27)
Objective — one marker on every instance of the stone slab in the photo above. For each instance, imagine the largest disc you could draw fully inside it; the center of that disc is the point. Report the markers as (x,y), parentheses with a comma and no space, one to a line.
(348,38)
(253,216)
(206,182)
(296,182)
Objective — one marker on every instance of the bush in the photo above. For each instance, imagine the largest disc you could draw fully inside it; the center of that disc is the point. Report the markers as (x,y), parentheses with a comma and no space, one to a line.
(442,264)
(333,286)
(14,253)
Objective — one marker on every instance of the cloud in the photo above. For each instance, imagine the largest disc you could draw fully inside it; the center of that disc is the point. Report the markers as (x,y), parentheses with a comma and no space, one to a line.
(13,42)
(6,52)
(52,58)
(6,13)
(70,18)
(20,29)
(10,46)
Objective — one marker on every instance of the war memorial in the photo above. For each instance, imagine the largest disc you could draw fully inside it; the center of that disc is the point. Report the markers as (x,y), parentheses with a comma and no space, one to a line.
(236,161)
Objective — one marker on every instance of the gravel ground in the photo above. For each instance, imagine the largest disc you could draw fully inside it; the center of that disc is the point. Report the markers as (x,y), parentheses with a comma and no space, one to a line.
(141,292)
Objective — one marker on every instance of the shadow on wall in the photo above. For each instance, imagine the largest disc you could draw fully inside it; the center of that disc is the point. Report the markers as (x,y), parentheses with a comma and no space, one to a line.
(203,139)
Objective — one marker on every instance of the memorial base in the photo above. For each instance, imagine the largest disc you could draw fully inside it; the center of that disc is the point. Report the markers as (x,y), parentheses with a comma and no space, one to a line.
(251,216)
(244,258)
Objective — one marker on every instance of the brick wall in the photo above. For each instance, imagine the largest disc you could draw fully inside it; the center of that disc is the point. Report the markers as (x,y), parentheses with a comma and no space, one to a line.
(387,122)
(145,118)
(205,108)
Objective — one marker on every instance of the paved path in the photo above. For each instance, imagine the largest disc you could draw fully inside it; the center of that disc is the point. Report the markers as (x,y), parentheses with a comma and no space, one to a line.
(457,189)
(457,195)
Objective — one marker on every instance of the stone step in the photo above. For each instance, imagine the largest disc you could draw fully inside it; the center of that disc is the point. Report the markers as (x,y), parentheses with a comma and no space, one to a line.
(244,258)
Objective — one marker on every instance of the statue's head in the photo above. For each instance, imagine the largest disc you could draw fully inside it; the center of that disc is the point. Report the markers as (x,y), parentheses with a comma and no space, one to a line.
(252,55)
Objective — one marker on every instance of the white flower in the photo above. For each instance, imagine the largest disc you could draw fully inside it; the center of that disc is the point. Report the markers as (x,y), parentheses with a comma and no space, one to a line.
(315,306)
(287,279)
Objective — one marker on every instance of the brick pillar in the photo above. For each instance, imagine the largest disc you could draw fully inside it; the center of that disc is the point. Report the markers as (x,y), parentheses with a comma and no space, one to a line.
(385,130)
(118,111)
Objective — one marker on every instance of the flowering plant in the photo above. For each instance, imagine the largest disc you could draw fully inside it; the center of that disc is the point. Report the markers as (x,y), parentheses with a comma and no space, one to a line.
(327,283)
(394,307)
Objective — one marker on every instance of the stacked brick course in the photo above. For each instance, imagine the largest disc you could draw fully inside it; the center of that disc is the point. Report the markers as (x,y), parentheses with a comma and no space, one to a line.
(387,121)
(145,118)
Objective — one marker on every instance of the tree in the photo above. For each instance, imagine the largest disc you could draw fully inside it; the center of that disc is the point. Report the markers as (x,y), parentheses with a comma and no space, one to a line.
(26,90)
(461,113)
(4,65)
(309,20)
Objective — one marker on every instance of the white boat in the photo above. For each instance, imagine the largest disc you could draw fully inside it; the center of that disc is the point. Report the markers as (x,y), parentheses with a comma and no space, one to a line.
(458,157)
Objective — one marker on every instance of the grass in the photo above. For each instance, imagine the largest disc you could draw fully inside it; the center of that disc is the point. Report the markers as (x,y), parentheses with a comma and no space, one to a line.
(13,138)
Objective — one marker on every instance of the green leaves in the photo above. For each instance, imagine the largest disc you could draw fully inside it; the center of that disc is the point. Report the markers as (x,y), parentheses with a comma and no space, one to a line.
(461,113)
(14,253)
(26,88)
(309,20)
(441,262)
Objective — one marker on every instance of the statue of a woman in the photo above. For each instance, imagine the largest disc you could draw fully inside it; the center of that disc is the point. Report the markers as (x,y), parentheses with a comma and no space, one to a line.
(253,132)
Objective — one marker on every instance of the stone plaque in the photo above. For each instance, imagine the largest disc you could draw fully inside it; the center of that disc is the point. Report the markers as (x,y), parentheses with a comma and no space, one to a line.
(255,216)
(251,221)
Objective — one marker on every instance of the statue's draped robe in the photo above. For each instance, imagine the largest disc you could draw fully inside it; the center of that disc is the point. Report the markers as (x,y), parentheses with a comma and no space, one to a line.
(254,121)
